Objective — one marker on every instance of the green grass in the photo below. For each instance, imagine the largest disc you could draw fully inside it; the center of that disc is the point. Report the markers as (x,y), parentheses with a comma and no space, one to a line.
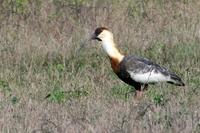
(60,96)
(122,92)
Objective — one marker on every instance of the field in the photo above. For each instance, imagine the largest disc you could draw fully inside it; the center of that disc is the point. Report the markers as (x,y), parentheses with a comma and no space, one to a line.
(49,85)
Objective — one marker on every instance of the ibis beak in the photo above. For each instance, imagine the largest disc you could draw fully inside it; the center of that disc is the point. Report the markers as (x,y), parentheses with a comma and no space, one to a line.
(93,37)
(85,42)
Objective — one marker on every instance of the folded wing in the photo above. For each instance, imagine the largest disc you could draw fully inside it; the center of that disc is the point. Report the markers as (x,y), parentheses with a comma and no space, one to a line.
(144,71)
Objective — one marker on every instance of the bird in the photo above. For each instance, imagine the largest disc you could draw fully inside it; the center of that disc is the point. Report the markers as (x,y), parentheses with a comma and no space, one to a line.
(135,71)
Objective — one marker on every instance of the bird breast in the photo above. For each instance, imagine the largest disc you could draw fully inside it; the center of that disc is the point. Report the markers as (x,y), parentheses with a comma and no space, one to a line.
(115,64)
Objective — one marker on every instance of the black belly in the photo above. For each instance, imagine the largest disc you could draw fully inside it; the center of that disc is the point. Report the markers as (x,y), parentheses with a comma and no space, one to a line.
(127,79)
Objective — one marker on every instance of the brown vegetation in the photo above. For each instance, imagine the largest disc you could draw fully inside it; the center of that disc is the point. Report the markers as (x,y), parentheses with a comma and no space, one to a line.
(39,55)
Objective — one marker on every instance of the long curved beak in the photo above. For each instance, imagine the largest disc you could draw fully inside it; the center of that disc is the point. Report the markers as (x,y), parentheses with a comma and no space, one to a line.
(93,37)
(85,42)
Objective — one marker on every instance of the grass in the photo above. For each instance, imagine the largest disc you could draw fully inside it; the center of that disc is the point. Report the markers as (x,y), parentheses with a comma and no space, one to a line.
(122,92)
(48,85)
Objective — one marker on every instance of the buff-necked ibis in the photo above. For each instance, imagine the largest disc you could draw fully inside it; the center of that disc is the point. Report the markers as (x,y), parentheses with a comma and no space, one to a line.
(133,70)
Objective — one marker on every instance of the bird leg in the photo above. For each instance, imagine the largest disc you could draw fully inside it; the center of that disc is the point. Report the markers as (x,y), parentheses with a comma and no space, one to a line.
(139,91)
(138,94)
(145,87)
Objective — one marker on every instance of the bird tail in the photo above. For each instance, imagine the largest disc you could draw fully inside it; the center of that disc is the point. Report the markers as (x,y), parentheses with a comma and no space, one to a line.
(176,80)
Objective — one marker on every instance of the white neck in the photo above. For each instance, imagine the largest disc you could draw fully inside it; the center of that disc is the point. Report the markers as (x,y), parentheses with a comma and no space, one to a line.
(110,48)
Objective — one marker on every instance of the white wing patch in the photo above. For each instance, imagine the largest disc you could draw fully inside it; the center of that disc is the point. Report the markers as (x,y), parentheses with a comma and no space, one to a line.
(149,77)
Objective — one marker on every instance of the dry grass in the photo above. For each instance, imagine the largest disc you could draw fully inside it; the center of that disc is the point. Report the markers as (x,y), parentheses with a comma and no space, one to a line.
(38,56)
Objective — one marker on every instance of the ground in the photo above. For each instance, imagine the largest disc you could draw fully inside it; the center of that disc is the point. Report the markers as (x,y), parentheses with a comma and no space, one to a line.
(48,84)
